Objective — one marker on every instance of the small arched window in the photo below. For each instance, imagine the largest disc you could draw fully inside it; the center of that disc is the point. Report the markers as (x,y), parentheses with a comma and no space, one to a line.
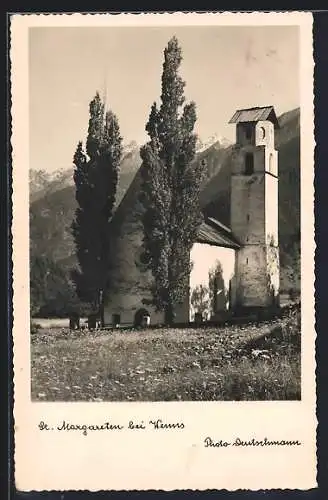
(262,133)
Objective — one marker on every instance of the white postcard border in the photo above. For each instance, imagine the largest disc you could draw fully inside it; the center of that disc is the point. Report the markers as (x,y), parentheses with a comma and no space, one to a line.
(155,459)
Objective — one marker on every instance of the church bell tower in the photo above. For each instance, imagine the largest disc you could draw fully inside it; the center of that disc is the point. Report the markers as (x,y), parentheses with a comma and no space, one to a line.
(254,209)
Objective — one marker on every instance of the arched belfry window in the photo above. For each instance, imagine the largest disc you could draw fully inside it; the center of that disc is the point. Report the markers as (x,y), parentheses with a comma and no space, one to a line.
(262,133)
(249,164)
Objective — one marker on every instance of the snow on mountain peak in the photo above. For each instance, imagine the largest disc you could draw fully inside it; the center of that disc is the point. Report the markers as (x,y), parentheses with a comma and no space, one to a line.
(130,147)
(202,145)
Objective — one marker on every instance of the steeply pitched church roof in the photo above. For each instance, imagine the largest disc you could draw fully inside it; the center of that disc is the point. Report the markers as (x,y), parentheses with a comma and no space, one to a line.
(214,233)
(255,115)
(211,230)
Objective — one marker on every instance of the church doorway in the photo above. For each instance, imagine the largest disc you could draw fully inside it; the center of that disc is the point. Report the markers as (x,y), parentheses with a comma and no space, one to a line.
(141,318)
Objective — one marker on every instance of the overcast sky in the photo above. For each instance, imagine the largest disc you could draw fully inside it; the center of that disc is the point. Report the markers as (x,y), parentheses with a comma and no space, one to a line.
(225,68)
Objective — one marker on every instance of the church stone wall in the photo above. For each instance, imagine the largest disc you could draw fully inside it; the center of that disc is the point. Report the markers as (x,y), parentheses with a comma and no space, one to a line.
(248,208)
(271,210)
(126,308)
(129,283)
(250,281)
(273,275)
(254,216)
(271,230)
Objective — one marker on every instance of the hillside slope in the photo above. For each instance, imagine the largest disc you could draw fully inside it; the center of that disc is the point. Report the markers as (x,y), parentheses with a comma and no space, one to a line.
(53,205)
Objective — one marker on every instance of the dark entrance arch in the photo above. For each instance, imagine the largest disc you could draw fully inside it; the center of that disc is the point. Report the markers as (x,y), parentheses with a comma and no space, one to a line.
(139,317)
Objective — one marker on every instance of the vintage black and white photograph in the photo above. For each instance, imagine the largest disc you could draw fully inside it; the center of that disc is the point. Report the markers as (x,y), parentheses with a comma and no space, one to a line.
(164,195)
(163,251)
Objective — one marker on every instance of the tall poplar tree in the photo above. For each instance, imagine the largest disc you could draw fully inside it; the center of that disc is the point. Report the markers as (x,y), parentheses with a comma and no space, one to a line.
(96,176)
(170,189)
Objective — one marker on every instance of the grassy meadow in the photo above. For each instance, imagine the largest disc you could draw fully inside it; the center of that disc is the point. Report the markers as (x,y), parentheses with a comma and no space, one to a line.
(232,363)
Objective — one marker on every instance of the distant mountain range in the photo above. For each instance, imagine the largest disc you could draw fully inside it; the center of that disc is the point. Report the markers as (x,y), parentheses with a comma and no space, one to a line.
(215,140)
(53,204)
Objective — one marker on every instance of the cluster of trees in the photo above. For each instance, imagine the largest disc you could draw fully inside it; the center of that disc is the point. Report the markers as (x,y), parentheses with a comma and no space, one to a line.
(96,176)
(169,195)
(209,299)
(52,293)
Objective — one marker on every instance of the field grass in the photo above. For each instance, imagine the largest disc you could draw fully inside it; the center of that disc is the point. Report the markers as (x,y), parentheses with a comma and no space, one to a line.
(47,323)
(251,362)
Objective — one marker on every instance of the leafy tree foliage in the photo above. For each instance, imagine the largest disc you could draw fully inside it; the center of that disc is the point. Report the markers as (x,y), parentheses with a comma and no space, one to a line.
(96,177)
(212,298)
(290,262)
(218,294)
(200,301)
(170,188)
(52,294)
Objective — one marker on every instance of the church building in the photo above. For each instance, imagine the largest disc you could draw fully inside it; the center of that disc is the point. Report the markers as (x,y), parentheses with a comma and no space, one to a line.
(246,253)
